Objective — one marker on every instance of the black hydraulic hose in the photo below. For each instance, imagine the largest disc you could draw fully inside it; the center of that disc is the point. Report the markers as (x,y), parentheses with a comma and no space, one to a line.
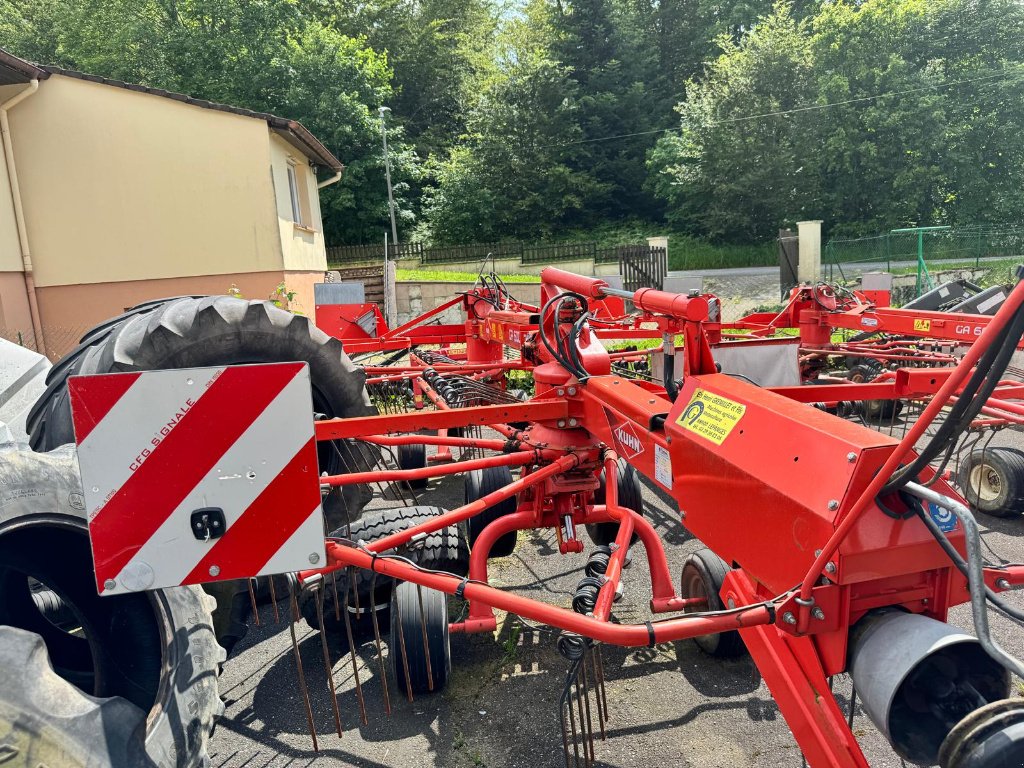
(972,399)
(961,564)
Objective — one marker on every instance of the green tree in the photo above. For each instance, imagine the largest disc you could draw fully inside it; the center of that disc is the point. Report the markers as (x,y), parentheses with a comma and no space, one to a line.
(265,55)
(727,175)
(513,175)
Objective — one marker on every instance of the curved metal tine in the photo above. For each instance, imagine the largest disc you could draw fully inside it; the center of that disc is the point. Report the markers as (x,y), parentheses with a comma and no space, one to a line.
(352,650)
(565,704)
(337,602)
(252,600)
(273,600)
(328,666)
(380,649)
(585,684)
(301,672)
(599,664)
(853,706)
(401,647)
(426,640)
(584,731)
(597,690)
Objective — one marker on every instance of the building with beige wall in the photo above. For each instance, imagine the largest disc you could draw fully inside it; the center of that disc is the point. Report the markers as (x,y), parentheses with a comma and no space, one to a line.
(112,194)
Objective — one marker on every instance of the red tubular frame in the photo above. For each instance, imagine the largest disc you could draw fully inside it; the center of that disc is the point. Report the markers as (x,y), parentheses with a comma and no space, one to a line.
(948,389)
(596,414)
(517,459)
(630,635)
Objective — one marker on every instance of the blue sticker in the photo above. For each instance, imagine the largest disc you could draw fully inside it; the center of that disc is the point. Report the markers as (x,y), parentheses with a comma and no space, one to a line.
(945,519)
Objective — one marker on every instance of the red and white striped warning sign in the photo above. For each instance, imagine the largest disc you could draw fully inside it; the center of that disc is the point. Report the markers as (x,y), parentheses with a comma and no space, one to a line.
(198,475)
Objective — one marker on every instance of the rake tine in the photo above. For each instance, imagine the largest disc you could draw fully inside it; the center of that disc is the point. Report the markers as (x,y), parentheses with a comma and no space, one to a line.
(565,705)
(352,652)
(327,661)
(252,599)
(337,602)
(597,691)
(401,645)
(355,594)
(273,601)
(599,664)
(582,687)
(853,707)
(380,650)
(302,674)
(583,724)
(426,643)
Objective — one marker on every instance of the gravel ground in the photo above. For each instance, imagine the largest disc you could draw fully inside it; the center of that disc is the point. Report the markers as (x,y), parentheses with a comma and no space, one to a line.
(669,705)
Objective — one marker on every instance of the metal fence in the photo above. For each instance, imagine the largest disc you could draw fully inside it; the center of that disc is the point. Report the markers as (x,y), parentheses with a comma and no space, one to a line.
(341,256)
(59,339)
(914,249)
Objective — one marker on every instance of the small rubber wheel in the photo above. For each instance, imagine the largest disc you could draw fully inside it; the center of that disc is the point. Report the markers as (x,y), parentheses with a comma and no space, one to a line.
(630,496)
(990,737)
(419,639)
(444,550)
(992,480)
(479,483)
(873,410)
(413,457)
(702,576)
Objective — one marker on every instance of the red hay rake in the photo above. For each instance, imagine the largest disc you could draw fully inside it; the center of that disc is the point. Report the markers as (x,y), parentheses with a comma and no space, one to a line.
(853,572)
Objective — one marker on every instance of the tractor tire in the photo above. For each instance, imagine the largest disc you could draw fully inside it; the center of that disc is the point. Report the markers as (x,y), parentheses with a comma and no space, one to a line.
(992,481)
(444,550)
(219,330)
(479,483)
(630,496)
(702,576)
(135,683)
(419,639)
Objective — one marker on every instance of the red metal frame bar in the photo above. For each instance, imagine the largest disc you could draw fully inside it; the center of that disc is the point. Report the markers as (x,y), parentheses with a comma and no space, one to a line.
(459,442)
(484,415)
(956,378)
(629,635)
(517,459)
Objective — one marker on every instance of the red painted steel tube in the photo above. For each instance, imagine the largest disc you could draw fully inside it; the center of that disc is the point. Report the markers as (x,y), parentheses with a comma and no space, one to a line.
(468,510)
(672,304)
(613,573)
(483,415)
(461,442)
(663,593)
(950,386)
(591,287)
(632,635)
(446,367)
(627,354)
(416,321)
(355,478)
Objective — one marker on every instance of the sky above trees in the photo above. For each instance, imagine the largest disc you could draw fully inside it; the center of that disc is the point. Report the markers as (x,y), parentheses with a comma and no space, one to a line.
(725,120)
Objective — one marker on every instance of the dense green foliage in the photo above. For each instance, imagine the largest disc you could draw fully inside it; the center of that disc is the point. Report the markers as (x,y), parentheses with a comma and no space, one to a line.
(875,115)
(717,120)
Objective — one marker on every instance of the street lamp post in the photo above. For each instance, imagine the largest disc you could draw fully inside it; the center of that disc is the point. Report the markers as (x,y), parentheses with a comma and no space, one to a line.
(387,172)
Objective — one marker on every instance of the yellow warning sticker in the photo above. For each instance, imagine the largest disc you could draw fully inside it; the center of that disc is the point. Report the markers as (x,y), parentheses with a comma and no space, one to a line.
(711,416)
(922,325)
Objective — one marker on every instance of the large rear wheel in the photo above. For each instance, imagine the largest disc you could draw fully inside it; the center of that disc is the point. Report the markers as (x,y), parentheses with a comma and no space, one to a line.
(71,660)
(195,332)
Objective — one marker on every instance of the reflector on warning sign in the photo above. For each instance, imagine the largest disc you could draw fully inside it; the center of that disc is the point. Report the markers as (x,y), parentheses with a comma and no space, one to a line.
(198,475)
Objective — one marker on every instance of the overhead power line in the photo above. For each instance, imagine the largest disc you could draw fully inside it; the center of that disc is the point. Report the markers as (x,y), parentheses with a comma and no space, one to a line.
(1004,74)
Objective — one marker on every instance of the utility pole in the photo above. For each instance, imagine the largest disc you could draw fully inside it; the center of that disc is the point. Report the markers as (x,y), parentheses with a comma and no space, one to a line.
(387,172)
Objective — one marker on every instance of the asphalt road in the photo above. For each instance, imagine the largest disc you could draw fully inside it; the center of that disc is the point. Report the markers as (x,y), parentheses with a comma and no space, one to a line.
(669,706)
